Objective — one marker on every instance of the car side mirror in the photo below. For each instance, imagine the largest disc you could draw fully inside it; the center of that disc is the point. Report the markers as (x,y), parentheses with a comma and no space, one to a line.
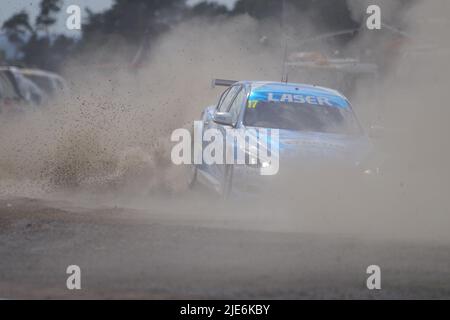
(224,118)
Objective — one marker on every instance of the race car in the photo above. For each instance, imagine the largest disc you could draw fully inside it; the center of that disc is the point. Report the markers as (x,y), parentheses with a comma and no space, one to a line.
(301,124)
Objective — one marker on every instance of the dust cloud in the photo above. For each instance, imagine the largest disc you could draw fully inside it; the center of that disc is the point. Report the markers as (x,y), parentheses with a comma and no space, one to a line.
(110,135)
(409,198)
(114,126)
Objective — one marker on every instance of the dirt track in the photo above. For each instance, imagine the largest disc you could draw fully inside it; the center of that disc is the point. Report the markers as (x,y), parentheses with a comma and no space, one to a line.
(131,253)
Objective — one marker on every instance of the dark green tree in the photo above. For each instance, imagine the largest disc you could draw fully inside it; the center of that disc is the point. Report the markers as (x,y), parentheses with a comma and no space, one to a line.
(18,28)
(37,49)
(325,14)
(48,10)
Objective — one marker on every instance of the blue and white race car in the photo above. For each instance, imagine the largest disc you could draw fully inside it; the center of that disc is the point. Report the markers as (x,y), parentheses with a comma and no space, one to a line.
(311,125)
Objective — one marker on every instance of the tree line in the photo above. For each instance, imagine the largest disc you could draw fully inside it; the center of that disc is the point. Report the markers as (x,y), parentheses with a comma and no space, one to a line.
(142,21)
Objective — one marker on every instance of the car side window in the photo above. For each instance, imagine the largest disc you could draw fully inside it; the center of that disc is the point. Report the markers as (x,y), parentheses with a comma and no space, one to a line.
(237,104)
(222,97)
(228,99)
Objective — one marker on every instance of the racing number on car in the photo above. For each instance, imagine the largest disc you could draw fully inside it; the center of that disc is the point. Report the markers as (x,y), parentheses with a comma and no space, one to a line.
(252,104)
(74,280)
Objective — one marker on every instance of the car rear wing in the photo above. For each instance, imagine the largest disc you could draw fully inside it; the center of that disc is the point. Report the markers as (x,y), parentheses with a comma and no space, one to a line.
(223,82)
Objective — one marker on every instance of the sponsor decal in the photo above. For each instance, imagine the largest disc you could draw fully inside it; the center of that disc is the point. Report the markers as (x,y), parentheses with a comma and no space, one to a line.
(283,97)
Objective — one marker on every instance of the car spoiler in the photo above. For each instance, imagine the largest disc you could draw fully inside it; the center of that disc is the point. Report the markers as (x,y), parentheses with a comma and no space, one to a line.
(223,82)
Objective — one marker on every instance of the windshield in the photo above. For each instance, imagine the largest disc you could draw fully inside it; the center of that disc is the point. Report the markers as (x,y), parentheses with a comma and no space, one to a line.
(301,117)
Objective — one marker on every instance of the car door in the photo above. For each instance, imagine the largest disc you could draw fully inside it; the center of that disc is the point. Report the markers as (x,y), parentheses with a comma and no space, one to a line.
(216,171)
